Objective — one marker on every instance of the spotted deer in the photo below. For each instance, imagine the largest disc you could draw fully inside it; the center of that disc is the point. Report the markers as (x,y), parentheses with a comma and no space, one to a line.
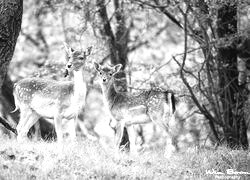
(57,100)
(126,109)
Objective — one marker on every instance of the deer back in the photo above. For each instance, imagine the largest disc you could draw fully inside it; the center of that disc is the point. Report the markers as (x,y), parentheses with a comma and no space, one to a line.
(151,100)
(34,90)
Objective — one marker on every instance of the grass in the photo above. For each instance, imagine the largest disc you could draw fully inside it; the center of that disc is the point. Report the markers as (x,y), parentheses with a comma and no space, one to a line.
(89,160)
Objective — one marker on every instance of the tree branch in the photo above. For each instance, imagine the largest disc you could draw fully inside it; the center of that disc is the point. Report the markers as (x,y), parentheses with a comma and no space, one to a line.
(5,123)
(196,101)
(163,9)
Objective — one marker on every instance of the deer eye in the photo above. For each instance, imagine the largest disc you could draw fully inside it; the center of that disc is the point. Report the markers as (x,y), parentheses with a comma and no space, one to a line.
(81,58)
(100,73)
(110,74)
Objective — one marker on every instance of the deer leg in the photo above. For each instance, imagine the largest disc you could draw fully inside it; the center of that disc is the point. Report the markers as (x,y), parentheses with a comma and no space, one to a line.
(132,139)
(32,119)
(27,120)
(118,136)
(36,131)
(20,135)
(37,134)
(171,142)
(23,117)
(72,129)
(171,145)
(58,127)
(86,132)
(173,131)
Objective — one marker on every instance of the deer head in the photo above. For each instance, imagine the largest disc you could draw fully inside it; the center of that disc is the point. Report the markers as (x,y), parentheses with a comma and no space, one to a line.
(76,59)
(106,73)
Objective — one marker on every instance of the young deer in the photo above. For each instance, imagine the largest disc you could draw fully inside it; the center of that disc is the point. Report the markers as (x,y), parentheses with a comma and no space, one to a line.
(57,100)
(126,109)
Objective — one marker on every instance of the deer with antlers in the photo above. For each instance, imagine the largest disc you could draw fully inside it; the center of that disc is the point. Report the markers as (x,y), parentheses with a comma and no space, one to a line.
(127,110)
(57,100)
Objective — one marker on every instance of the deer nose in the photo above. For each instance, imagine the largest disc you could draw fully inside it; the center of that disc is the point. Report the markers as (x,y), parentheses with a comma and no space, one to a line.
(69,65)
(104,80)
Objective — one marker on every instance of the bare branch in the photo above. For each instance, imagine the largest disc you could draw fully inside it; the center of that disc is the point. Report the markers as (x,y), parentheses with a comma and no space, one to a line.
(194,98)
(140,2)
(161,8)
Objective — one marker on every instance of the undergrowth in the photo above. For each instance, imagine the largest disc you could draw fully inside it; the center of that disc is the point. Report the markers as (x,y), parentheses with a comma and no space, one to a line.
(85,159)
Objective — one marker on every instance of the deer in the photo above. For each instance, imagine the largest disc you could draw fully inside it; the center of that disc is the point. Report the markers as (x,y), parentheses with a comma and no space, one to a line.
(128,109)
(51,99)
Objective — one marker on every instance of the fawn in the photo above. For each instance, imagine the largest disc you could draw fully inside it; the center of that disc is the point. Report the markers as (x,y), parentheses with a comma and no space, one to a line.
(57,100)
(126,109)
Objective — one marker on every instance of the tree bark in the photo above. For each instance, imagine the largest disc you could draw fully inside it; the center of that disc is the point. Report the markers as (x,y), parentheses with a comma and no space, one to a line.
(231,93)
(7,103)
(10,25)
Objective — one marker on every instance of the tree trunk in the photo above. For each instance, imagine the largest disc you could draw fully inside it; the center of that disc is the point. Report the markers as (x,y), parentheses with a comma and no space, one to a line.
(10,25)
(231,94)
(7,103)
(117,46)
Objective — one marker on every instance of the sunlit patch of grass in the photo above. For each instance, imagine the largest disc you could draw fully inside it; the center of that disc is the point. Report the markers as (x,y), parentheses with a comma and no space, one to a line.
(85,159)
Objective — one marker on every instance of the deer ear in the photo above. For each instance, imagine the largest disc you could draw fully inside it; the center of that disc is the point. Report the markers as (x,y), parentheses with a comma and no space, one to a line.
(117,68)
(97,66)
(67,48)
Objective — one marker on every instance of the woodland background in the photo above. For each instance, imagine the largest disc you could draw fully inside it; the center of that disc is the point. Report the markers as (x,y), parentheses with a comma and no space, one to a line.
(198,49)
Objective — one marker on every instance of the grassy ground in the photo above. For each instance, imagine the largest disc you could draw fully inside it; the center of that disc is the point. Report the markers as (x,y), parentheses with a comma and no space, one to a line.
(88,160)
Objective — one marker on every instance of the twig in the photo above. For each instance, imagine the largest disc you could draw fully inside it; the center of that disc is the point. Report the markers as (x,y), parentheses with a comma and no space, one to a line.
(141,3)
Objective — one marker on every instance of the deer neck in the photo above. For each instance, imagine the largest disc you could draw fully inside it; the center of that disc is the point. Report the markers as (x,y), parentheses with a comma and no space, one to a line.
(109,94)
(79,86)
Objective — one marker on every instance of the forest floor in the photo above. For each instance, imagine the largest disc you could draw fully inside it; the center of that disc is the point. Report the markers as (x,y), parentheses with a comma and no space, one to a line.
(88,160)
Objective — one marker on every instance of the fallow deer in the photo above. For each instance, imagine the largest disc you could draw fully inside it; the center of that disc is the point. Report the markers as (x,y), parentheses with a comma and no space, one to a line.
(57,100)
(125,109)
